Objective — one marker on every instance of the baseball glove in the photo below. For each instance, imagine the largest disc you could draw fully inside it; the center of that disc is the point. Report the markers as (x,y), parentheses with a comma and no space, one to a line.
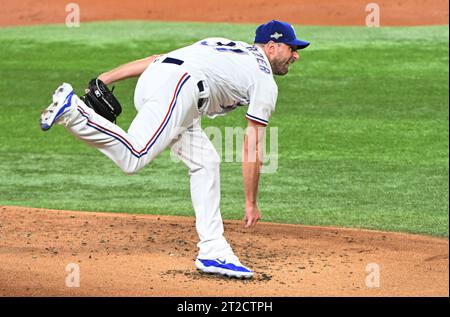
(101,99)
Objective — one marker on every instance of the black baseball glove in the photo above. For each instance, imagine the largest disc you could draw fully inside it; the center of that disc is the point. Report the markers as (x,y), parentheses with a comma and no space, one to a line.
(101,99)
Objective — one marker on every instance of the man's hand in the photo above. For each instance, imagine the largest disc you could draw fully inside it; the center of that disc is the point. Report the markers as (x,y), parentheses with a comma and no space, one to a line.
(252,215)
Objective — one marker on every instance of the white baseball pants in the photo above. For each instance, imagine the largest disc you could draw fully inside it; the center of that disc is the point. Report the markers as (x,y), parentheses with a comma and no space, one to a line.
(166,99)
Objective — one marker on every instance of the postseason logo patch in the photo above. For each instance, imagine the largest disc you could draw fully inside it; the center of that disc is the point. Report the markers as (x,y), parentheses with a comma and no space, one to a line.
(276,35)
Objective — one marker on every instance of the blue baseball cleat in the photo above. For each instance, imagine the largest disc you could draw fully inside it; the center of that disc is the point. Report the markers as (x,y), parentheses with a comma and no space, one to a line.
(62,103)
(229,266)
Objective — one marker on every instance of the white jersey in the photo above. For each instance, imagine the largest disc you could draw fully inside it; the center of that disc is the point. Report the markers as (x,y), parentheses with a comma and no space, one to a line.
(236,74)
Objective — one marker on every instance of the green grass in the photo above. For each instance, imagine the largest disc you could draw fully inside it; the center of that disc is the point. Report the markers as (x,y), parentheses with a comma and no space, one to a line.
(362,122)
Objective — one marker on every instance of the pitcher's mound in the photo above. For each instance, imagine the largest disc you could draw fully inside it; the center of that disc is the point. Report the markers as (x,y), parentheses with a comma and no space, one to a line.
(143,255)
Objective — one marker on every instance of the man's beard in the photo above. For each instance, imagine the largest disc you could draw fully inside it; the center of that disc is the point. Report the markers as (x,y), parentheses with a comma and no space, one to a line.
(280,67)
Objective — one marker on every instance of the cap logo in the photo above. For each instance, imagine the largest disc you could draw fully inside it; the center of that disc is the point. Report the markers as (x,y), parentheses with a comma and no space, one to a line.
(276,35)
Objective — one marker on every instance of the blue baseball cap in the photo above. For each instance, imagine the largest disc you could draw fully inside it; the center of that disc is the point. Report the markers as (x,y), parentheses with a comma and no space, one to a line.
(278,32)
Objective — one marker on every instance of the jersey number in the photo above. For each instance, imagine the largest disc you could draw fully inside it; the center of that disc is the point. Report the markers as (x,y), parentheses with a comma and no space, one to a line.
(224,47)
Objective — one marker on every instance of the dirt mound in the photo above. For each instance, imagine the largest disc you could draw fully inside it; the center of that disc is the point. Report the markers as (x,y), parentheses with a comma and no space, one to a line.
(144,255)
(306,12)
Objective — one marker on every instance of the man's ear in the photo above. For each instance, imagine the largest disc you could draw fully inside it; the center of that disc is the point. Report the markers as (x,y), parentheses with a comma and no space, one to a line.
(270,48)
(271,45)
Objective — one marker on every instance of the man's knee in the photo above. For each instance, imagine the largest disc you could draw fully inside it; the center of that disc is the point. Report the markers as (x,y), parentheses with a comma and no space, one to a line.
(130,169)
(211,163)
(209,167)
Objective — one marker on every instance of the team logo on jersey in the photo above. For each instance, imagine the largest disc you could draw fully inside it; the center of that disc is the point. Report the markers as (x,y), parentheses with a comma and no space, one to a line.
(276,35)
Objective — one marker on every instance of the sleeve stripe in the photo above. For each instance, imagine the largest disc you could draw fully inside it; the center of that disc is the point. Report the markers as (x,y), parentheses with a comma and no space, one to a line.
(258,122)
(253,118)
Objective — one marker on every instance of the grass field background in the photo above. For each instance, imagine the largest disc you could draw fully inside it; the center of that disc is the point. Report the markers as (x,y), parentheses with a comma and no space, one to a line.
(362,121)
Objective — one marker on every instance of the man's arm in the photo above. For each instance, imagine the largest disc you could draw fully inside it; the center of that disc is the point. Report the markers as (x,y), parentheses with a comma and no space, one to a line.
(132,69)
(251,166)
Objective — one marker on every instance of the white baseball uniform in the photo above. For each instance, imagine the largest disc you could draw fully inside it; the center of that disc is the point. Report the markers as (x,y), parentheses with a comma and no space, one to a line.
(223,75)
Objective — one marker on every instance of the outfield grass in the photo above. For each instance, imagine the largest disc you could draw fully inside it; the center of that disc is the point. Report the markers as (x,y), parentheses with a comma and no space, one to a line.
(362,122)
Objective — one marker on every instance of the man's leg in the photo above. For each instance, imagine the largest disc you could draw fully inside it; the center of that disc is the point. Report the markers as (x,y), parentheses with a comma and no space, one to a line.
(198,153)
(153,129)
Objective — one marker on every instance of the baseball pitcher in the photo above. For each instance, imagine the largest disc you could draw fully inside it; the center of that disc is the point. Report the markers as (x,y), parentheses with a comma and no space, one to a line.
(211,77)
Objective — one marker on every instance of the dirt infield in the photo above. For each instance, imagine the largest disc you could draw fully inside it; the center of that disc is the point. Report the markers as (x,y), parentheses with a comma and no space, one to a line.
(142,255)
(306,12)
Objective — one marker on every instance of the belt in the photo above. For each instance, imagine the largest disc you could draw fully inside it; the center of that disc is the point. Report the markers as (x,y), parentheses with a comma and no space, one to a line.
(200,85)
